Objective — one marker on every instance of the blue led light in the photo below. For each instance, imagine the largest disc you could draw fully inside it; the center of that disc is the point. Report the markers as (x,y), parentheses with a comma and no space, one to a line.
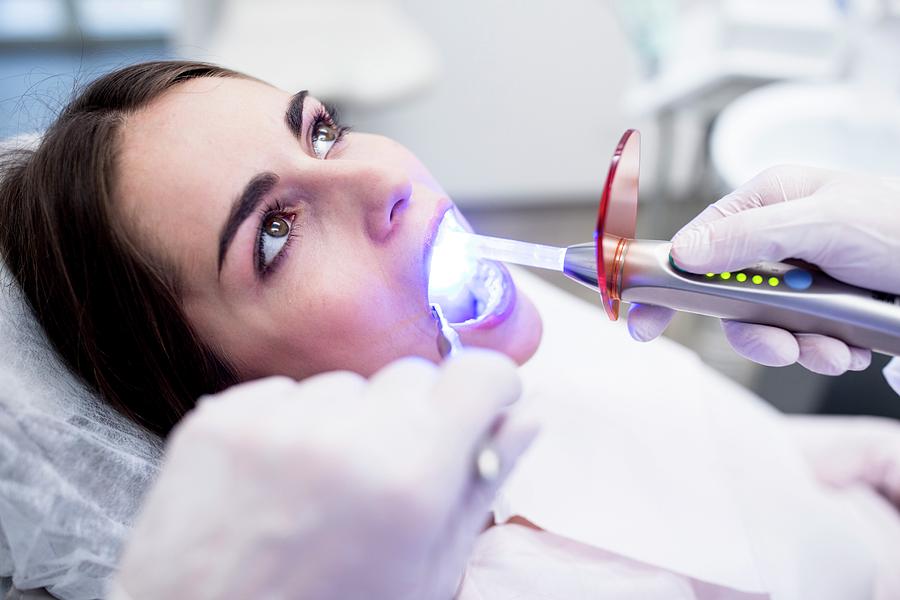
(451,272)
(466,287)
(452,267)
(798,279)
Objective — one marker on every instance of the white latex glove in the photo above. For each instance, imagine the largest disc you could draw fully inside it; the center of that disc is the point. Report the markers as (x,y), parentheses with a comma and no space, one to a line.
(331,488)
(845,450)
(892,374)
(847,225)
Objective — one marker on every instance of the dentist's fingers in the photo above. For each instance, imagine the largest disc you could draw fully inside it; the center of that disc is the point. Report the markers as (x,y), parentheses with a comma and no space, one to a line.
(801,213)
(474,387)
(758,221)
(331,387)
(647,322)
(274,387)
(860,358)
(514,436)
(772,233)
(722,238)
(770,346)
(892,374)
(776,347)
(772,186)
(228,412)
(405,380)
(829,356)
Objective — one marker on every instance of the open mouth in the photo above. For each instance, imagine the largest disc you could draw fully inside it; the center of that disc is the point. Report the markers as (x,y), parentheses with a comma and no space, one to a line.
(470,291)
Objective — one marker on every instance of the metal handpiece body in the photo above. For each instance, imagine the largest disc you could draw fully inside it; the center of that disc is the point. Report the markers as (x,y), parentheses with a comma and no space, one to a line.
(796,297)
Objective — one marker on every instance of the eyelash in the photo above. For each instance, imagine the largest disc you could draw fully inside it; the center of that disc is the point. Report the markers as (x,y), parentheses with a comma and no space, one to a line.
(328,115)
(276,209)
(324,114)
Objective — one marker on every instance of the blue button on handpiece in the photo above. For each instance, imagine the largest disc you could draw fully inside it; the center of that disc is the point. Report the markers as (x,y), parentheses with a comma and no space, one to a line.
(798,279)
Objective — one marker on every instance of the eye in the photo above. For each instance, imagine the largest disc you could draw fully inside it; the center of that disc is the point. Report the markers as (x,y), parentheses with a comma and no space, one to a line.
(324,136)
(326,131)
(273,236)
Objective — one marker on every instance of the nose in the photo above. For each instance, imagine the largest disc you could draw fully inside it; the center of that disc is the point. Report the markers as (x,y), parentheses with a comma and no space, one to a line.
(377,194)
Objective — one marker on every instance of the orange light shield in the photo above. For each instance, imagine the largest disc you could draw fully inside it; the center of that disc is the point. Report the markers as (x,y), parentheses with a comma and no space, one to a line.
(617,218)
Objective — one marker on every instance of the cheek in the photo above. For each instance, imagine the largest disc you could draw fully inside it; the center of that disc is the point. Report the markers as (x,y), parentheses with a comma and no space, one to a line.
(371,292)
(358,318)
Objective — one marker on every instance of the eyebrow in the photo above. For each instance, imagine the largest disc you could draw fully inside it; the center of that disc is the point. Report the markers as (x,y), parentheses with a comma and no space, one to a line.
(254,192)
(261,184)
(293,117)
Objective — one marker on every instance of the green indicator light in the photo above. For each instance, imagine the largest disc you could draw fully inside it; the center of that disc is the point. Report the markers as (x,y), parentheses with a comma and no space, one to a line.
(725,275)
(757,279)
(773,281)
(710,274)
(742,277)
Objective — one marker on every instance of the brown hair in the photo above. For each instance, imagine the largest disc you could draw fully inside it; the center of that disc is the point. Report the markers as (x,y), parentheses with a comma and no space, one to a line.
(111,311)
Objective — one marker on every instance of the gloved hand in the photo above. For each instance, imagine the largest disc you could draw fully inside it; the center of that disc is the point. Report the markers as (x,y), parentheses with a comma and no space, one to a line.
(331,488)
(845,450)
(892,374)
(847,225)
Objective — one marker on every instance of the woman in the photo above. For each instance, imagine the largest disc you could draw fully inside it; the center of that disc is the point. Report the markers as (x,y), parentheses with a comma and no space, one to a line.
(212,210)
(183,227)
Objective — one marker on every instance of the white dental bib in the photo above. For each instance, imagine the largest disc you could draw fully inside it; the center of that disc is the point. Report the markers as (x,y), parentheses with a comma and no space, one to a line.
(648,454)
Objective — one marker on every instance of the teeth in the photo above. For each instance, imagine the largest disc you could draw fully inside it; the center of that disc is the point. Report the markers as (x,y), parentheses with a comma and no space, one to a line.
(466,288)
(485,289)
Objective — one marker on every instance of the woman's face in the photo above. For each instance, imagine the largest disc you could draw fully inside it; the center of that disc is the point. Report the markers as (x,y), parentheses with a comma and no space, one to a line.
(298,249)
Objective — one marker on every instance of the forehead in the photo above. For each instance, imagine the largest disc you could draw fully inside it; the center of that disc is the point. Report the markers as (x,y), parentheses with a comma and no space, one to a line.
(184,158)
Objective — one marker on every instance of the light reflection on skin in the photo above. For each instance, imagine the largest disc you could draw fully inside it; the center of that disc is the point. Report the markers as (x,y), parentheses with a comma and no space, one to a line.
(348,291)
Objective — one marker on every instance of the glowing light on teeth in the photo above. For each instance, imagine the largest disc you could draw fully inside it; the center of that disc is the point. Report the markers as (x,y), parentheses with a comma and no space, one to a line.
(451,265)
(466,287)
(464,277)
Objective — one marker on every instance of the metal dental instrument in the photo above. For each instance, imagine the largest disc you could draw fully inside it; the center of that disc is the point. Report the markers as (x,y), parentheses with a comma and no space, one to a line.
(792,295)
(447,339)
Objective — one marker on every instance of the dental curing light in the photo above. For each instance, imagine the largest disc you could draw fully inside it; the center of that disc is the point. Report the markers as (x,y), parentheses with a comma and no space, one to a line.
(792,295)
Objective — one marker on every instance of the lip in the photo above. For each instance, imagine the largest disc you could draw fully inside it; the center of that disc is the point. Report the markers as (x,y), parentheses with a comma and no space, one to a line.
(507,301)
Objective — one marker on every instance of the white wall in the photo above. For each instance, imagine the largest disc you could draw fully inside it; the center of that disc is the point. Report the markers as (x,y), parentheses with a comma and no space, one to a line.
(528,105)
